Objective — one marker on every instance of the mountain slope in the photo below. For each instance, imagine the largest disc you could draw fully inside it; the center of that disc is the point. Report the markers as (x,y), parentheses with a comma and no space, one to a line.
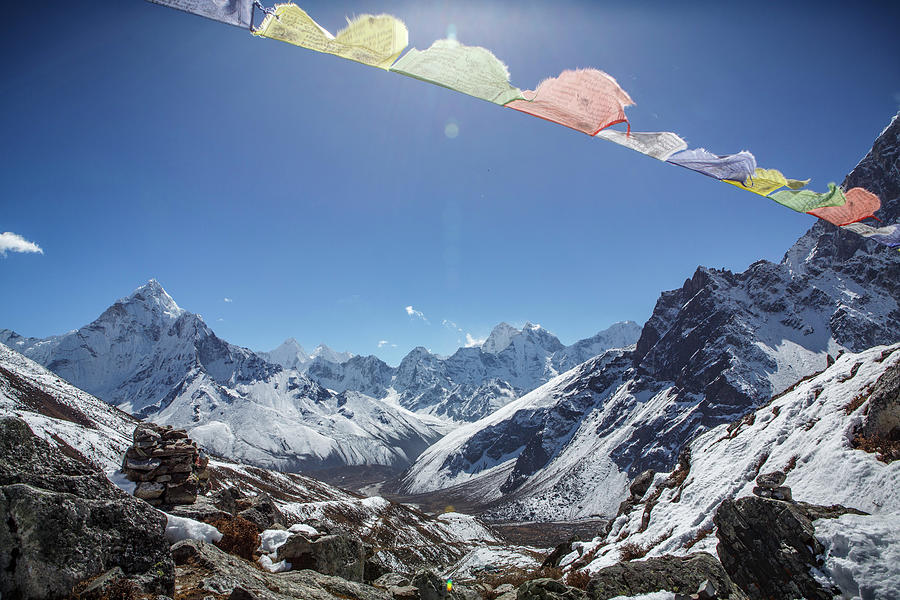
(138,349)
(807,433)
(86,428)
(712,351)
(156,360)
(475,381)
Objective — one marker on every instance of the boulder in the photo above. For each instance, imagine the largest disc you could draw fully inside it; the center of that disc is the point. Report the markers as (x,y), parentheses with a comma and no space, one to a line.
(553,559)
(548,589)
(678,574)
(430,586)
(389,580)
(641,484)
(376,565)
(341,555)
(768,547)
(212,572)
(263,512)
(62,522)
(404,592)
(225,499)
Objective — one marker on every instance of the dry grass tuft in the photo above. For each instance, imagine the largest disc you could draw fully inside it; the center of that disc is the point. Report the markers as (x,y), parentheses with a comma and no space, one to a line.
(239,536)
(702,533)
(885,450)
(632,550)
(578,579)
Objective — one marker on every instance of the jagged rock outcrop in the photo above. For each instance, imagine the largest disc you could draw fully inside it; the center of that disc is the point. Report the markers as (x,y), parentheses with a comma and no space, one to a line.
(769,548)
(218,573)
(167,465)
(62,521)
(678,574)
(548,589)
(341,555)
(715,349)
(879,431)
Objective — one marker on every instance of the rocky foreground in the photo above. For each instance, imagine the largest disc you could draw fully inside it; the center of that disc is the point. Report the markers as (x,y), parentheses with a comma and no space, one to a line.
(797,499)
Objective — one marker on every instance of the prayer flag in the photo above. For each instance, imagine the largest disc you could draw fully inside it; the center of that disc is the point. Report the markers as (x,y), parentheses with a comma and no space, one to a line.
(889,236)
(861,203)
(233,12)
(376,41)
(587,100)
(470,70)
(658,144)
(736,167)
(807,200)
(766,181)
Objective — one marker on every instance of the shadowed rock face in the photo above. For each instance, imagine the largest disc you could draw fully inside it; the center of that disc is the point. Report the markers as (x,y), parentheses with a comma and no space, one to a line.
(713,350)
(220,573)
(681,574)
(62,521)
(768,547)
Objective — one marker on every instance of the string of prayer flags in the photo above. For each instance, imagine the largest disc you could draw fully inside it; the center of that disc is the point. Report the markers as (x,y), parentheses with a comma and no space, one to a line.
(735,167)
(232,12)
(889,236)
(860,204)
(376,41)
(470,70)
(587,100)
(766,181)
(658,144)
(807,200)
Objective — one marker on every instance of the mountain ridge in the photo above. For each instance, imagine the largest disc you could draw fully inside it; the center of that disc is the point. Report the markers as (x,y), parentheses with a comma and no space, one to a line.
(712,350)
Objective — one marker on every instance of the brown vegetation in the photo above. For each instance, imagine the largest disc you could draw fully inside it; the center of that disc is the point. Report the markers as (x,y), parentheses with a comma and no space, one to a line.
(120,589)
(885,450)
(702,533)
(239,536)
(578,579)
(856,402)
(632,550)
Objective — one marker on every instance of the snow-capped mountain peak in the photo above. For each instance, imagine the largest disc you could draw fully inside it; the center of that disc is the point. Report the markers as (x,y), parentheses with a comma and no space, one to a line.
(290,355)
(325,353)
(154,298)
(500,338)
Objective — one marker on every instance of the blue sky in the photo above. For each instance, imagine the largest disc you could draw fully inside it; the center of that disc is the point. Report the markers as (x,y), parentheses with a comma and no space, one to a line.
(323,197)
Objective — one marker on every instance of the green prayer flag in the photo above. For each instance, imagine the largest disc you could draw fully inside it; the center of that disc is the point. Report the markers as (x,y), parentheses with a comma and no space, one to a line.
(807,200)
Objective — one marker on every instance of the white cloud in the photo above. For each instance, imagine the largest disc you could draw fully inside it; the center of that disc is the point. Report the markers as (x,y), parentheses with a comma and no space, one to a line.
(451,325)
(13,242)
(416,313)
(471,341)
(229,300)
(220,319)
(383,343)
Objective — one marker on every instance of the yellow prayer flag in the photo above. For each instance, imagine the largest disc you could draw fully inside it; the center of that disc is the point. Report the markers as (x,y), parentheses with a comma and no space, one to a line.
(766,181)
(376,41)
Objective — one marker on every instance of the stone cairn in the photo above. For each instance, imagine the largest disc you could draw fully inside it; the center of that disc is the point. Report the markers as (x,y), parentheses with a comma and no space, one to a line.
(167,465)
(768,485)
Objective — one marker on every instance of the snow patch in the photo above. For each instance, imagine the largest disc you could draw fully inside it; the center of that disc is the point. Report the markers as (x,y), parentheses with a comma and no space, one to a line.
(273,567)
(862,555)
(182,528)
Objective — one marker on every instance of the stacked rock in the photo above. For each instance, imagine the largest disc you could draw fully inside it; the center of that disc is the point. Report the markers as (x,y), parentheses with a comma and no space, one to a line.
(768,485)
(167,465)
